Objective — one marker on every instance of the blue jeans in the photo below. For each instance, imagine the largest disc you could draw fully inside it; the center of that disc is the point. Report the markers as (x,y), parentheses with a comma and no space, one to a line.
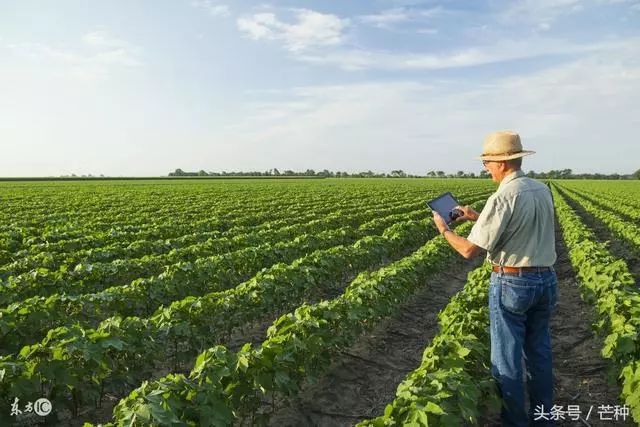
(520,307)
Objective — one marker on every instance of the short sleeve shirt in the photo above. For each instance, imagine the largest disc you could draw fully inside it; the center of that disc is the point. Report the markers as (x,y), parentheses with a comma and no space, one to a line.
(516,226)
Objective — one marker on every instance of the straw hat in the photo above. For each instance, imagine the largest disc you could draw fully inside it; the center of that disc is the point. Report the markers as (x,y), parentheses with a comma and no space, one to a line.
(503,145)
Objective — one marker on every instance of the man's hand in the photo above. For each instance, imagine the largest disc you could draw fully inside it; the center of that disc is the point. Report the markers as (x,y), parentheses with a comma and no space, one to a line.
(468,214)
(459,243)
(441,225)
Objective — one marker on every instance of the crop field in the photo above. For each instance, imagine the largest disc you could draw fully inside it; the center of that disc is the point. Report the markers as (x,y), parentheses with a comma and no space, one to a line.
(293,302)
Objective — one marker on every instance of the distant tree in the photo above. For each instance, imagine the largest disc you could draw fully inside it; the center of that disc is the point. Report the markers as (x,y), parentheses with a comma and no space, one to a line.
(636,174)
(484,174)
(202,172)
(276,172)
(566,173)
(460,174)
(440,174)
(431,174)
(399,173)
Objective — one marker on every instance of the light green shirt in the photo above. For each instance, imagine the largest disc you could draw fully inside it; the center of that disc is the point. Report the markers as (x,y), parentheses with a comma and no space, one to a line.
(516,226)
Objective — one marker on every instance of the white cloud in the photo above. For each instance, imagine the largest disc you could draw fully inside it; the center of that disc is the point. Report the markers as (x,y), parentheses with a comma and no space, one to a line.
(260,26)
(213,9)
(540,14)
(386,18)
(106,54)
(311,29)
(502,51)
(565,113)
(390,17)
(102,39)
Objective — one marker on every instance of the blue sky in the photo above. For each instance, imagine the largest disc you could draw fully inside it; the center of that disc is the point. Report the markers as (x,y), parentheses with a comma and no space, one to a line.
(141,88)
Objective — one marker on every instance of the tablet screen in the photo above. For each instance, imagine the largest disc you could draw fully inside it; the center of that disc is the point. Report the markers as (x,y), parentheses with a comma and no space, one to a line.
(444,204)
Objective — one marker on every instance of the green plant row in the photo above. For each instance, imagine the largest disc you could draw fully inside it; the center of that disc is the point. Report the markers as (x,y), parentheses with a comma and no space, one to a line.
(82,209)
(453,384)
(66,254)
(28,320)
(625,192)
(605,282)
(60,205)
(73,366)
(93,277)
(618,203)
(120,224)
(622,229)
(226,388)
(49,256)
(145,216)
(54,213)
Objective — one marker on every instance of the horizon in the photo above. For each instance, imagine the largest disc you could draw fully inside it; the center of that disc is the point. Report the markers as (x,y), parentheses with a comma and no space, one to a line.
(133,90)
(287,173)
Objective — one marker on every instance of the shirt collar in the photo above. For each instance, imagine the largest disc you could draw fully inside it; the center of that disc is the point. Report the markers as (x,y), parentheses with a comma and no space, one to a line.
(507,179)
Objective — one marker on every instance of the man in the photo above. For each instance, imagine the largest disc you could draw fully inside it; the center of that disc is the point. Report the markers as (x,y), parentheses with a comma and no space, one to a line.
(516,228)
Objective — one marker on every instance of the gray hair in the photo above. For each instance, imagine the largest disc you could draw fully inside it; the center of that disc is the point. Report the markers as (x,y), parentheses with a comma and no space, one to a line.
(514,163)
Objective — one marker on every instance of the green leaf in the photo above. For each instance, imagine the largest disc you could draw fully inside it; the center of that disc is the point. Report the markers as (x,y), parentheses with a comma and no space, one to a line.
(432,408)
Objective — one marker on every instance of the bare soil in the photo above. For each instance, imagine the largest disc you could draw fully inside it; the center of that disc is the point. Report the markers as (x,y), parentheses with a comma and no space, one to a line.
(364,379)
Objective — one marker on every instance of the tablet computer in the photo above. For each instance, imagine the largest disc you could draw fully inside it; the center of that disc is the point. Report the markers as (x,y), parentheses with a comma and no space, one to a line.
(444,205)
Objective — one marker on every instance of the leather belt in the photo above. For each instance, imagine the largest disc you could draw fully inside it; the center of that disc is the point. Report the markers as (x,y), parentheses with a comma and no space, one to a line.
(518,270)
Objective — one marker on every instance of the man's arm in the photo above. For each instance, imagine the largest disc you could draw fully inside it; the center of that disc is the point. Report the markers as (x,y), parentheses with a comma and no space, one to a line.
(462,245)
(459,243)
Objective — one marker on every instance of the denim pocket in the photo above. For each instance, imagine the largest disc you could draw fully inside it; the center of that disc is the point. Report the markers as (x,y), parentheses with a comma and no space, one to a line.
(516,298)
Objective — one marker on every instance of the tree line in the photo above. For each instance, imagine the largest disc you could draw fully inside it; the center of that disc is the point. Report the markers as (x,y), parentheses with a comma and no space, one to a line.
(399,173)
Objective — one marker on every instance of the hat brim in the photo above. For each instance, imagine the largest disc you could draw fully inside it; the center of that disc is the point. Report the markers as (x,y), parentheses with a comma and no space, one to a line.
(500,157)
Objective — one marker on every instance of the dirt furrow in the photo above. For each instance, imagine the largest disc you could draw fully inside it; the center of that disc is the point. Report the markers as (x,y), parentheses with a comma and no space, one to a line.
(363,380)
